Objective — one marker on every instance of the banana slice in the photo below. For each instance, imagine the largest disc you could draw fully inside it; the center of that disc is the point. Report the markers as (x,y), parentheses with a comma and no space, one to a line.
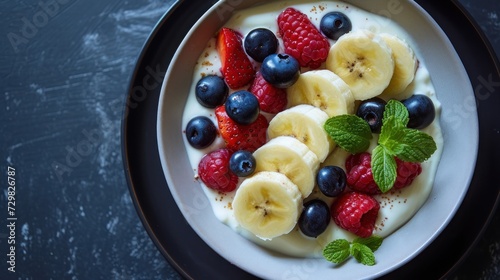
(267,204)
(405,65)
(322,89)
(289,156)
(364,61)
(306,123)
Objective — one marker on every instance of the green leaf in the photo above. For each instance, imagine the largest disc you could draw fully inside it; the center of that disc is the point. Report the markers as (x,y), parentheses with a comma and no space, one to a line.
(392,131)
(337,251)
(383,168)
(415,146)
(349,132)
(361,249)
(373,242)
(396,109)
(408,144)
(363,254)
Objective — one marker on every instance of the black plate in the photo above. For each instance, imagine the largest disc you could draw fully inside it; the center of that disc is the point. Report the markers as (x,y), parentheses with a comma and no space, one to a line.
(182,247)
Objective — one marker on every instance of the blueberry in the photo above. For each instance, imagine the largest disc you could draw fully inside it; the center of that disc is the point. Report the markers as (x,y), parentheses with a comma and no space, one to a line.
(260,43)
(314,218)
(211,91)
(372,111)
(242,107)
(280,70)
(200,132)
(335,24)
(242,163)
(331,180)
(421,110)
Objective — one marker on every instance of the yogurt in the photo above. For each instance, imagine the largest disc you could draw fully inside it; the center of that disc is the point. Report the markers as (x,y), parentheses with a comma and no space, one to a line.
(396,206)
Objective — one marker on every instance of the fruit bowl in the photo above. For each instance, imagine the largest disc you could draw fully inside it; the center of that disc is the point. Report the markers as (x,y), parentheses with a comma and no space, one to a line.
(451,183)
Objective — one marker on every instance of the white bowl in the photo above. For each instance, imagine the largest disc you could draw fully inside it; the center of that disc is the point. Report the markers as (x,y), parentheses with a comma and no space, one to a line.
(453,176)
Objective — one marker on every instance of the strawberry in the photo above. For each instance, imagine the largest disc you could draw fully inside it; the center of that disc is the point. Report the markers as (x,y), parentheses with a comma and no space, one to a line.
(237,69)
(302,39)
(238,136)
(271,99)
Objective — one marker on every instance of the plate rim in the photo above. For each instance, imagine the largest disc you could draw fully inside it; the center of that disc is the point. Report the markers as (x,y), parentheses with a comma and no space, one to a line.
(124,141)
(496,62)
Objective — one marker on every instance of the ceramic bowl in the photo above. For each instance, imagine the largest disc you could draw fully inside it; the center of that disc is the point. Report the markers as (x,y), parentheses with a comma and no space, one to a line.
(453,176)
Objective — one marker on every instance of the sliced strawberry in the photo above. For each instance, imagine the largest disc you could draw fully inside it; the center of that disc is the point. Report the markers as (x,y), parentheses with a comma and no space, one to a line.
(271,99)
(241,137)
(237,68)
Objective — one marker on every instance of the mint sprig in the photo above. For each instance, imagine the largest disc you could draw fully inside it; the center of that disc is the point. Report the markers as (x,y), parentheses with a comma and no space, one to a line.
(353,134)
(349,132)
(396,140)
(362,249)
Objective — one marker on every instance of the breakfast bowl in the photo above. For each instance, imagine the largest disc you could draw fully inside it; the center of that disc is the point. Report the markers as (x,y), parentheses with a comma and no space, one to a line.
(454,168)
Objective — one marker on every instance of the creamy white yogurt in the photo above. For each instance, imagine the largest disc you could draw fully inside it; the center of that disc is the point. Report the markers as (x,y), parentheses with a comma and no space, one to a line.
(396,207)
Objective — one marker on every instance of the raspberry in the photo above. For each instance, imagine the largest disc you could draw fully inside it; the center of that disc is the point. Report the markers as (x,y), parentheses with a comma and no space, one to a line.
(271,99)
(360,176)
(302,39)
(214,171)
(407,172)
(356,212)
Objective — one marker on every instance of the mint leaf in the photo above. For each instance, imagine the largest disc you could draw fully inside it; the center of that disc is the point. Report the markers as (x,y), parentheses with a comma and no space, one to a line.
(383,168)
(349,132)
(415,146)
(408,144)
(392,131)
(363,254)
(396,140)
(396,109)
(337,251)
(373,242)
(361,249)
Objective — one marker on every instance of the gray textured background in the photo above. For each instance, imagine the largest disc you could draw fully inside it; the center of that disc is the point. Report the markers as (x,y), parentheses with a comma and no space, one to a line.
(62,91)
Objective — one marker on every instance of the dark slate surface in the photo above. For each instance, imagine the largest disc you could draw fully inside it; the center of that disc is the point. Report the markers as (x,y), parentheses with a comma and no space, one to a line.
(64,70)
